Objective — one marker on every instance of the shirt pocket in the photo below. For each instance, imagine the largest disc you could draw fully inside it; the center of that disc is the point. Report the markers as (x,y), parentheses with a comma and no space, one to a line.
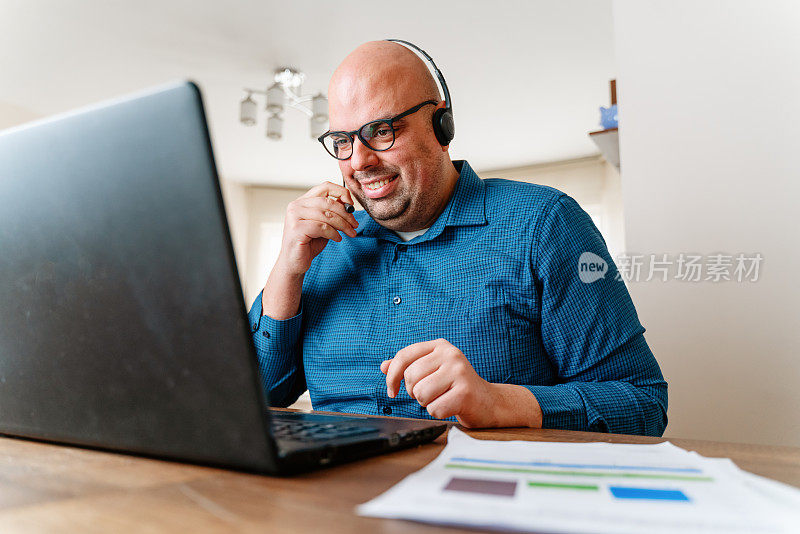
(483,328)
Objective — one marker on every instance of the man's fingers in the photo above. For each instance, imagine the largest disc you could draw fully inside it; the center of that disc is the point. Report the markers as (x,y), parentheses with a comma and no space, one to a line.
(326,189)
(330,204)
(313,229)
(437,375)
(418,370)
(445,405)
(431,387)
(403,359)
(329,215)
(423,347)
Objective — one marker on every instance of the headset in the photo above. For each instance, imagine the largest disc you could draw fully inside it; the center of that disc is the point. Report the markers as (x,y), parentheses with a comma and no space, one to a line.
(443,126)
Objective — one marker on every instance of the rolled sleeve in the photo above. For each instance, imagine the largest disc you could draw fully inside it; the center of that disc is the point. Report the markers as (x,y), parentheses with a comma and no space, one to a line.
(561,407)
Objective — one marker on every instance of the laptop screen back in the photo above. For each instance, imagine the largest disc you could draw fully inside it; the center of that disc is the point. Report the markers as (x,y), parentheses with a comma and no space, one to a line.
(122,323)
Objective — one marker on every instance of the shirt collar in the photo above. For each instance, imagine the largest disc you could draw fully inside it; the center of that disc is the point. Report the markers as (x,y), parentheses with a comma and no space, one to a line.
(466,207)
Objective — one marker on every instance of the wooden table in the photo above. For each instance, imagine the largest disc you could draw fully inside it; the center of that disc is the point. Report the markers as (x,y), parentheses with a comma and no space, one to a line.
(45,487)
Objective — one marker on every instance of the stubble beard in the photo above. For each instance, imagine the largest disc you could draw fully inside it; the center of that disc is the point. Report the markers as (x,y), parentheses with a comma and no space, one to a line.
(400,213)
(403,210)
(387,209)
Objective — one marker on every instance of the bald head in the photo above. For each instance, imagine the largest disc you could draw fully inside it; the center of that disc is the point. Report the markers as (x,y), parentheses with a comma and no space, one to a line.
(376,78)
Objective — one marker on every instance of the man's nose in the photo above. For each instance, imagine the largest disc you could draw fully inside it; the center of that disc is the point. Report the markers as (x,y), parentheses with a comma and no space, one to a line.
(363,157)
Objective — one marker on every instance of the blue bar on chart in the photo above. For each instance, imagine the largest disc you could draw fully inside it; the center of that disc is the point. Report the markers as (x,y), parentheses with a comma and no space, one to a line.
(621,492)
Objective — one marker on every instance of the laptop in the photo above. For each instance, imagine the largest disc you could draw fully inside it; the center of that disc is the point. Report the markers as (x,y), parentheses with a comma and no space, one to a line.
(122,321)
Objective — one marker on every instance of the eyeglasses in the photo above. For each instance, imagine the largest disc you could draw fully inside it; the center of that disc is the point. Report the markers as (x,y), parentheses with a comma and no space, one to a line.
(377,135)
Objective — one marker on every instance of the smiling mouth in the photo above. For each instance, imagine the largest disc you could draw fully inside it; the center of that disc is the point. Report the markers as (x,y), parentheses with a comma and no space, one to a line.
(373,186)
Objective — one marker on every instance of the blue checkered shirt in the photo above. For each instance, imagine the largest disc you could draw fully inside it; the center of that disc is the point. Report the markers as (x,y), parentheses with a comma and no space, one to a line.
(497,276)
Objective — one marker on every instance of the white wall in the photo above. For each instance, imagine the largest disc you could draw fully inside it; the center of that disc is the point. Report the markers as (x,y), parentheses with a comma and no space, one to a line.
(11,115)
(709,96)
(234,196)
(266,207)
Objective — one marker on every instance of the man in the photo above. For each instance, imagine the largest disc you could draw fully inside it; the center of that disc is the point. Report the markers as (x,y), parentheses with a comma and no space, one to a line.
(448,296)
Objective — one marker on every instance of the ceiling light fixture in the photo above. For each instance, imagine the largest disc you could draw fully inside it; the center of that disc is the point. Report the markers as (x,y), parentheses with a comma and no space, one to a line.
(285,92)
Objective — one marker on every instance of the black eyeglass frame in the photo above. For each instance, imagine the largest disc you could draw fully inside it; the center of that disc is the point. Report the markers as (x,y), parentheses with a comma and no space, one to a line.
(354,133)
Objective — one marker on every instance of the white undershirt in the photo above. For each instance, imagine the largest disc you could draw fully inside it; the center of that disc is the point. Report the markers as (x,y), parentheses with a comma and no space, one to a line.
(408,236)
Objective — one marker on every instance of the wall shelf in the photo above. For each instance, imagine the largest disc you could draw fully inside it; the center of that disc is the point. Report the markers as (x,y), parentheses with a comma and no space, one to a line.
(608,143)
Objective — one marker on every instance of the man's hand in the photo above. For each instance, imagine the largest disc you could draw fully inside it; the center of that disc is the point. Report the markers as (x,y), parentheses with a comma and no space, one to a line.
(441,379)
(311,221)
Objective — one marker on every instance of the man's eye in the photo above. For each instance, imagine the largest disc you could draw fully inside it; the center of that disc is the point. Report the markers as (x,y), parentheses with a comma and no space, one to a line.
(341,142)
(381,131)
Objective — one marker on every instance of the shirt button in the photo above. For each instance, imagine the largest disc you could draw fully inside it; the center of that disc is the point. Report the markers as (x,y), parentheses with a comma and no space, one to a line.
(266,334)
(397,300)
(387,410)
(402,248)
(255,327)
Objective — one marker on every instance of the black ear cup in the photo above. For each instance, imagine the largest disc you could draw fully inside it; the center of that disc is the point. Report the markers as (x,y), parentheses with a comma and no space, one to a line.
(443,126)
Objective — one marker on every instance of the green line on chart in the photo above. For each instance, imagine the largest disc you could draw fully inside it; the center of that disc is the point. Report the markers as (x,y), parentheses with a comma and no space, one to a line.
(536,484)
(579,473)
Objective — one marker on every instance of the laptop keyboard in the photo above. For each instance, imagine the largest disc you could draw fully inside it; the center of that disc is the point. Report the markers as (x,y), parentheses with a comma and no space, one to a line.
(317,431)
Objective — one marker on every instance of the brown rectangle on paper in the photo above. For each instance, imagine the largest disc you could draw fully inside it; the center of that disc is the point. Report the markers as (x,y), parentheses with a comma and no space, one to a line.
(481,485)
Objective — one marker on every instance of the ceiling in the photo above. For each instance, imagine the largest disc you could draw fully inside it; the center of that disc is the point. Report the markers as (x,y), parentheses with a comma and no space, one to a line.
(526,76)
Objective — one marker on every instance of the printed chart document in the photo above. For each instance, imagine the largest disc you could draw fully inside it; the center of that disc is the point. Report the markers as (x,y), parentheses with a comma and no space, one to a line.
(587,488)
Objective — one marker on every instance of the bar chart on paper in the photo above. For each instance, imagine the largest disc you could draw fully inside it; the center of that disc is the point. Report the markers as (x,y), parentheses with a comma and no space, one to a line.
(599,481)
(580,487)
